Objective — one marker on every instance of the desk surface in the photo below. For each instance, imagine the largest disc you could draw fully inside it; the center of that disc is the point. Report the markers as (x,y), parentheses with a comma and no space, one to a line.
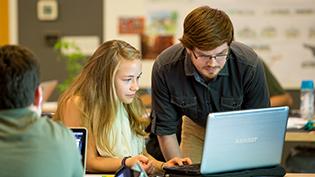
(300,136)
(287,175)
(300,175)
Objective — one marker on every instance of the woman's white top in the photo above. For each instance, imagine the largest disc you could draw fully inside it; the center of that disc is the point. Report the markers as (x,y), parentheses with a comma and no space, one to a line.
(123,142)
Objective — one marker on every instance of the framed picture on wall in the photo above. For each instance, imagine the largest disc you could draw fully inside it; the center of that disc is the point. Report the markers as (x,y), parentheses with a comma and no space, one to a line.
(47,10)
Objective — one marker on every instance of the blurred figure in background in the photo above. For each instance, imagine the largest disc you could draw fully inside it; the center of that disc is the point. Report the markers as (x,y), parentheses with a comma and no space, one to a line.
(278,96)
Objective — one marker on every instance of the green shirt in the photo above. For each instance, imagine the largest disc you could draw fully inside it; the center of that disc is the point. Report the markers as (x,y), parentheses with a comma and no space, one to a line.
(31,146)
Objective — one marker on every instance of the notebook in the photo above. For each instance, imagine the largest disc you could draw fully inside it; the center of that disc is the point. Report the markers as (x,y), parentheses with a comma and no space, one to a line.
(48,88)
(238,140)
(135,171)
(80,134)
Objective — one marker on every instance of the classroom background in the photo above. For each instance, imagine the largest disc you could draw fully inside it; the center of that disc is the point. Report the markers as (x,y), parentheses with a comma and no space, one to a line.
(282,32)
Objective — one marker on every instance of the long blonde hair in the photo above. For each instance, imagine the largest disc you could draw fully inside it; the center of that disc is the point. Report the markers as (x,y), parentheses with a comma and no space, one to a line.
(95,88)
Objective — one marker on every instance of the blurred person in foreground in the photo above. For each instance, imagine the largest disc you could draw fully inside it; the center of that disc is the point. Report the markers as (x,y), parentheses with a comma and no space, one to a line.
(30,145)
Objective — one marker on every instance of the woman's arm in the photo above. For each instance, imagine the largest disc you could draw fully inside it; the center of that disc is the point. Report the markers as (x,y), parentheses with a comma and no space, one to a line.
(71,116)
(95,162)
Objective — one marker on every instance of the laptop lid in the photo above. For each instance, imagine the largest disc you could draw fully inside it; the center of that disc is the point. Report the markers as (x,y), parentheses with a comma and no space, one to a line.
(80,134)
(244,139)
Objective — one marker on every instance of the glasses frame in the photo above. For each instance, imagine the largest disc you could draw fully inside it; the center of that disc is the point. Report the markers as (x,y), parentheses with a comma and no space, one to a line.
(212,57)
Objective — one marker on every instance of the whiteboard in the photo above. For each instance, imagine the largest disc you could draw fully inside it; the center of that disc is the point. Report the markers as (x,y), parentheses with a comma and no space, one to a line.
(282,32)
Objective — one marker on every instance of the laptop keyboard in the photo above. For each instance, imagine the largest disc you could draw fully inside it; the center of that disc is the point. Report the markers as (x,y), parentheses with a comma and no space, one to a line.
(189,167)
(183,169)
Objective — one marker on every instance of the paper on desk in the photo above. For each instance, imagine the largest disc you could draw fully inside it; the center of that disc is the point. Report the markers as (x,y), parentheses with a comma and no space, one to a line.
(137,167)
(296,123)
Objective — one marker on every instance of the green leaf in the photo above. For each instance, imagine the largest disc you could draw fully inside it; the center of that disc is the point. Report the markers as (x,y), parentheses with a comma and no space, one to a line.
(74,60)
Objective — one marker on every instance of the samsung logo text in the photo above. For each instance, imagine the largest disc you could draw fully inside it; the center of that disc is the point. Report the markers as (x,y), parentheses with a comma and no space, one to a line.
(246,140)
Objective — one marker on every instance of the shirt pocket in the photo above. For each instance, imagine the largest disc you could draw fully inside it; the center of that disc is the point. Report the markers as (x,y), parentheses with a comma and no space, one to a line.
(231,103)
(187,105)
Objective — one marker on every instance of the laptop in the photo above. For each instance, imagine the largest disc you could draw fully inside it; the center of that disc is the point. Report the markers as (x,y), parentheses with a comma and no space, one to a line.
(80,134)
(239,140)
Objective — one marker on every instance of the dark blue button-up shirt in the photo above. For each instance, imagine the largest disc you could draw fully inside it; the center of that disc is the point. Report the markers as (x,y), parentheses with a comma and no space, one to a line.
(178,89)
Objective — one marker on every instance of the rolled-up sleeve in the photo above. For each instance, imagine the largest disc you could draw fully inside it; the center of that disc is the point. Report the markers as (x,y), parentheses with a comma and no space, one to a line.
(256,88)
(164,115)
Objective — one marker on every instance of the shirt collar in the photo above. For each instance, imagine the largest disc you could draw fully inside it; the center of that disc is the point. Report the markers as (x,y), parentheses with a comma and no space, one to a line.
(16,113)
(189,66)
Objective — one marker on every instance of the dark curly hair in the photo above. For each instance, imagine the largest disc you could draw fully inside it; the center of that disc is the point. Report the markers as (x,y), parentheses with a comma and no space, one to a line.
(19,77)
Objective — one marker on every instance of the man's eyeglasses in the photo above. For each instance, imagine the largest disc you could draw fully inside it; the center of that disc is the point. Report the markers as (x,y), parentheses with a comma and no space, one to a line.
(219,58)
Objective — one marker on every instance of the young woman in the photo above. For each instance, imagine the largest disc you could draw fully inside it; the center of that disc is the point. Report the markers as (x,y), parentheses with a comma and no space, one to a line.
(103,99)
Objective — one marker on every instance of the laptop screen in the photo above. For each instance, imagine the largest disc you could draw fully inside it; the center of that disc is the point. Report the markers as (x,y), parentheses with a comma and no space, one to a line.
(240,140)
(80,135)
(244,139)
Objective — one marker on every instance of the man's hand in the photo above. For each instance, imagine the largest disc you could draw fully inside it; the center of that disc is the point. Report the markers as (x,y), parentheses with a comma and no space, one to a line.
(178,161)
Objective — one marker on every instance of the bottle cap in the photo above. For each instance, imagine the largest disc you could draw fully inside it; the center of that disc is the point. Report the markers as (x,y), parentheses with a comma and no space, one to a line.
(307,84)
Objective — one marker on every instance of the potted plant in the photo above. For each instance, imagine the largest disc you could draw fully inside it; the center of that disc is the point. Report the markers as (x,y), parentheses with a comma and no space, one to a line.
(74,60)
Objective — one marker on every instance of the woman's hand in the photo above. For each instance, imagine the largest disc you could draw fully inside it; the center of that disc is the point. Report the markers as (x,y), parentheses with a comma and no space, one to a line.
(145,163)
(148,167)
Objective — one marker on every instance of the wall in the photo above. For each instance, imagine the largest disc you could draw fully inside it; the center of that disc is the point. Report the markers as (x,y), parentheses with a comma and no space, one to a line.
(126,8)
(4,22)
(282,32)
(79,18)
(285,70)
(13,20)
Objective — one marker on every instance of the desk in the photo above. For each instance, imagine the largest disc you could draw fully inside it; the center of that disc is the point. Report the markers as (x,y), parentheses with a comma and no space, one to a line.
(300,175)
(287,175)
(98,175)
(300,136)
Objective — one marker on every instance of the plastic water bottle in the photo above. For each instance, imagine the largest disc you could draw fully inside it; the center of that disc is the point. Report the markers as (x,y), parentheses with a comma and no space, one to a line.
(307,99)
